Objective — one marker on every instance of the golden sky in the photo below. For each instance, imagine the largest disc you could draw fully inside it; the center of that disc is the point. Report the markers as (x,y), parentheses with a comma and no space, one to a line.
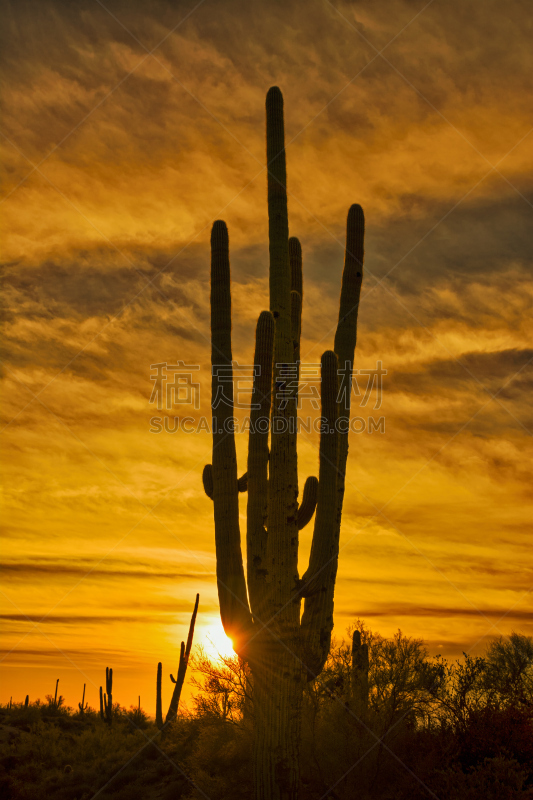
(127,129)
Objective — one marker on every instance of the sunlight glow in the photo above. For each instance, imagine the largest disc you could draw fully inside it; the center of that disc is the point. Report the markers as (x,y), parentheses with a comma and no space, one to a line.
(215,640)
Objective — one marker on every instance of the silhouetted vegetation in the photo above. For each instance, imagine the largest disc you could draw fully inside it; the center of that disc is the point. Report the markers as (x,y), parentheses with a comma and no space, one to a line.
(428,728)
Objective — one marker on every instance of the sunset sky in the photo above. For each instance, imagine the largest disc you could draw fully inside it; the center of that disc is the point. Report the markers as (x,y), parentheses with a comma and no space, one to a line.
(127,129)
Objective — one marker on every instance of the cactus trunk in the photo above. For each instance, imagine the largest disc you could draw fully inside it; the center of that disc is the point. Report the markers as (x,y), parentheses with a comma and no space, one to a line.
(106,698)
(82,706)
(261,613)
(158,702)
(359,676)
(278,695)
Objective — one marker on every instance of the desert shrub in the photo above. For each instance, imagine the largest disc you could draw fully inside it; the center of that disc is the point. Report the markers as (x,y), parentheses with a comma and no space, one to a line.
(220,765)
(496,778)
(137,717)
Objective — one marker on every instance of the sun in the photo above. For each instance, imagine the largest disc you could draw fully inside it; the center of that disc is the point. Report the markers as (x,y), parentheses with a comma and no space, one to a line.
(216,642)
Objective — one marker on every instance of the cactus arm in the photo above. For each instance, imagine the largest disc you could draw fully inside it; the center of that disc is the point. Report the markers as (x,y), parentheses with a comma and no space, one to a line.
(158,702)
(296,325)
(282,540)
(307,507)
(102,715)
(318,610)
(321,546)
(346,335)
(295,260)
(296,319)
(207,479)
(278,219)
(234,608)
(318,582)
(257,475)
(352,278)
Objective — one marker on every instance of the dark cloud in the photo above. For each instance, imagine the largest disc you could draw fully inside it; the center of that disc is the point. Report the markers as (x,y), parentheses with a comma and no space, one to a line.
(440,612)
(98,619)
(491,371)
(33,570)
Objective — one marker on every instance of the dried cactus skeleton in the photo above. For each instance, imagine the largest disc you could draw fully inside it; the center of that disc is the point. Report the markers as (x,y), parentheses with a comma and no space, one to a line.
(178,681)
(261,613)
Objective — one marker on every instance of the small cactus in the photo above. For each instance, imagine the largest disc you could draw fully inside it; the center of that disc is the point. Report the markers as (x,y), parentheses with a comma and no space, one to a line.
(158,702)
(106,698)
(359,676)
(27,701)
(83,705)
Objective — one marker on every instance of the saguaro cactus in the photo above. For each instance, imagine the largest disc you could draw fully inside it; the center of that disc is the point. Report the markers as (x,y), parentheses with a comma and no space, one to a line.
(106,698)
(359,675)
(158,703)
(83,705)
(261,613)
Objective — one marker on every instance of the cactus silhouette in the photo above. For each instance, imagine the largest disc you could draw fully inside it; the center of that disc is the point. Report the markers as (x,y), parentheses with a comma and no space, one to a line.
(261,613)
(359,675)
(106,698)
(83,705)
(27,701)
(179,680)
(158,703)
